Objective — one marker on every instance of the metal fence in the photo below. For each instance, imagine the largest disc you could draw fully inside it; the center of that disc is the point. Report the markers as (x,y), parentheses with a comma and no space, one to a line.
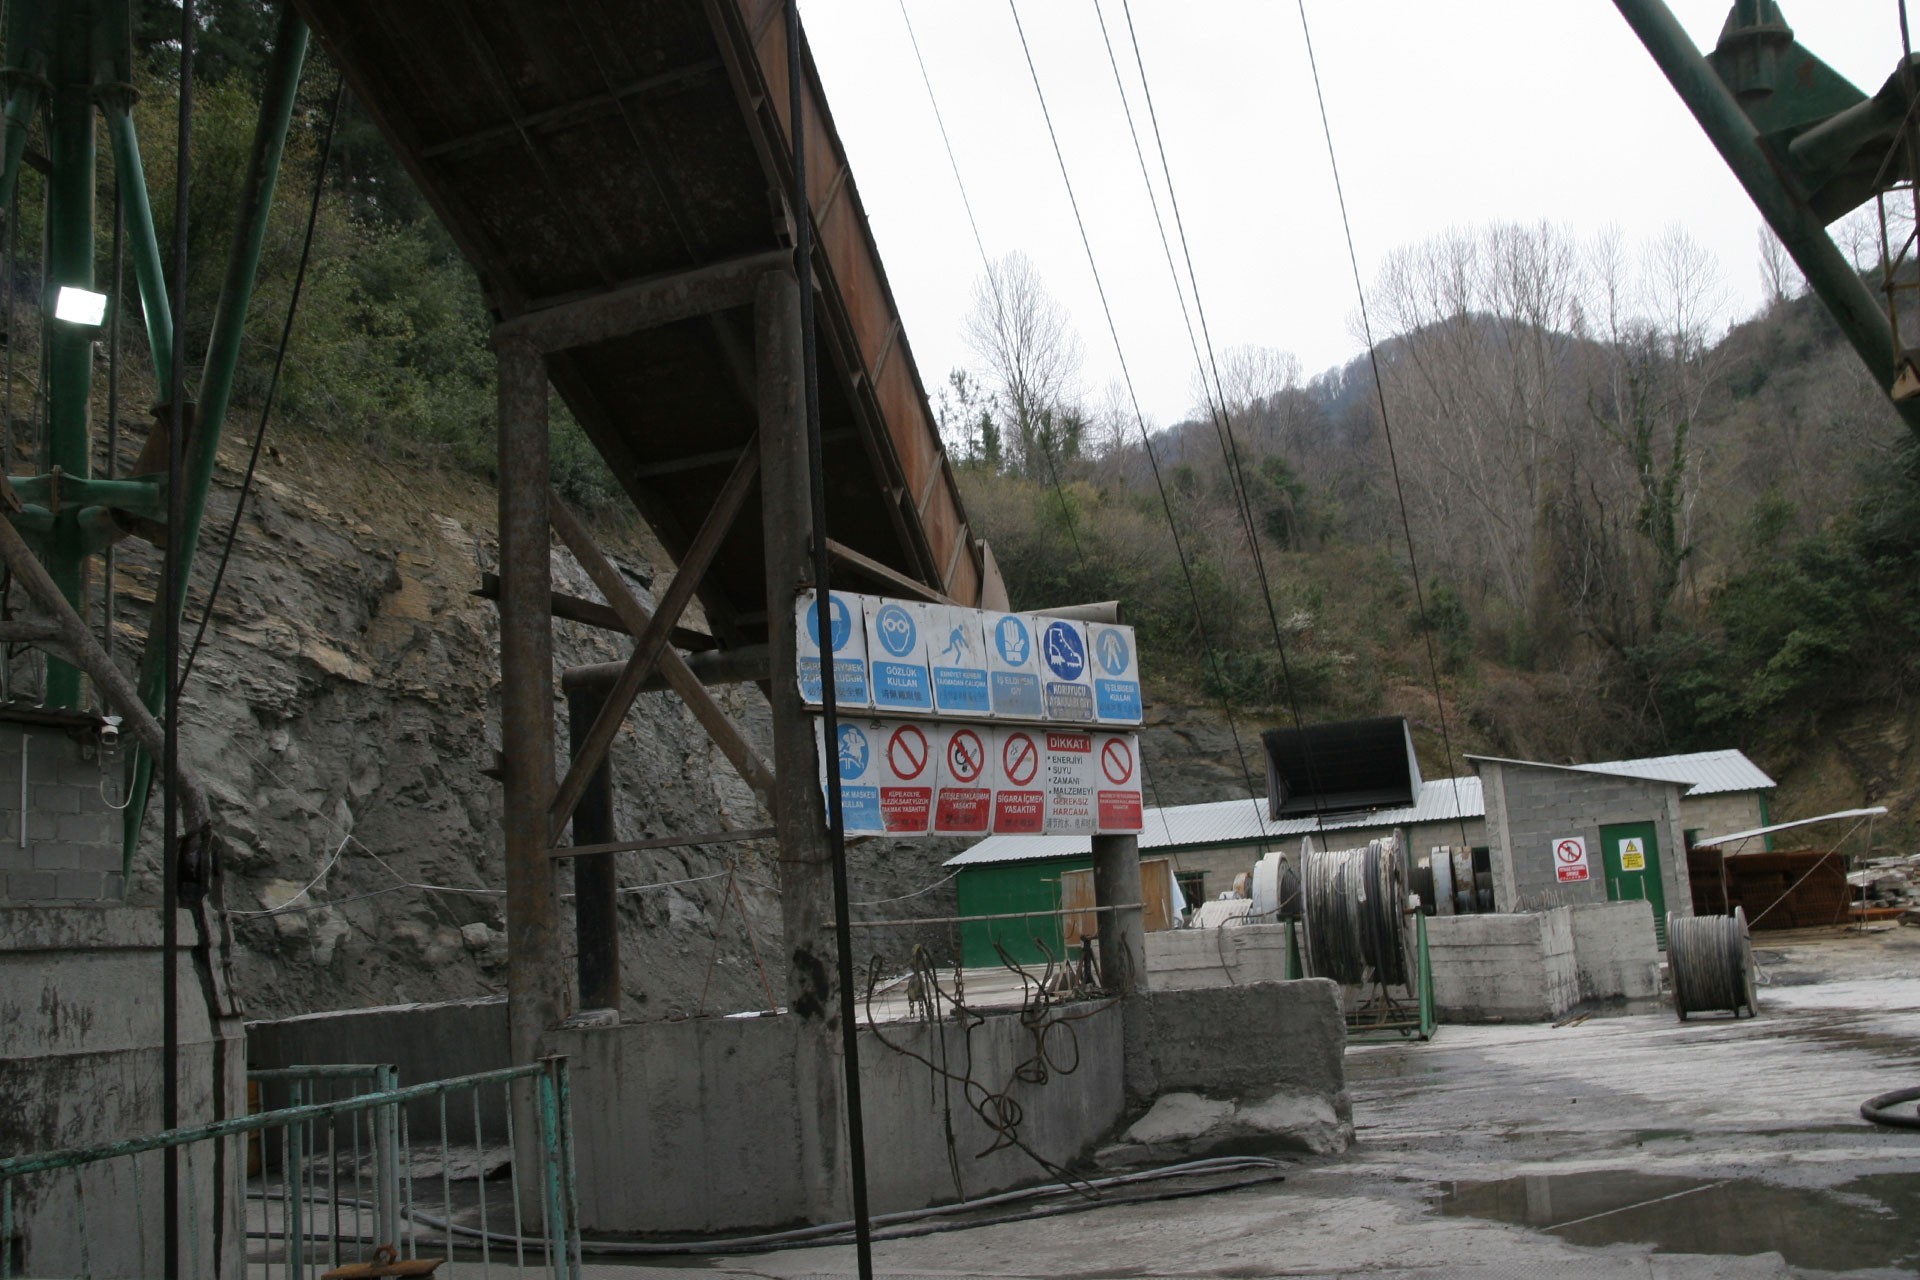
(345,1173)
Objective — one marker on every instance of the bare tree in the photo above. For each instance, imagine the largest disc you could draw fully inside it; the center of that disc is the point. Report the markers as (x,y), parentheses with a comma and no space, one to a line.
(1023,336)
(1778,275)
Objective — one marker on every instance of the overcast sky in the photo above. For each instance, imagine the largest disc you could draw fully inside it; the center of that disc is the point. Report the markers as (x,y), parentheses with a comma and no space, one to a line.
(1445,115)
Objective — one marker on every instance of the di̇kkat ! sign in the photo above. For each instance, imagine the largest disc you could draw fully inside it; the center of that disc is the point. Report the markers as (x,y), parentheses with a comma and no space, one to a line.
(907,657)
(921,777)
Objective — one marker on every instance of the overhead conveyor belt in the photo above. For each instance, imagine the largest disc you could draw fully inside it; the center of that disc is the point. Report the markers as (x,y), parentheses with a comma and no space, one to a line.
(582,154)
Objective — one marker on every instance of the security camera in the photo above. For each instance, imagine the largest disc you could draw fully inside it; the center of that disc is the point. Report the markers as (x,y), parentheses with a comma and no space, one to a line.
(110,731)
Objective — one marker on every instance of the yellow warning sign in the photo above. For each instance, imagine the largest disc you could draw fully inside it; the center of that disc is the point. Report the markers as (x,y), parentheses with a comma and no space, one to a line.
(1633,854)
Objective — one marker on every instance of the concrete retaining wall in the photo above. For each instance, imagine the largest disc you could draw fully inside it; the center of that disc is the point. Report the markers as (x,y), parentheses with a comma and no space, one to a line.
(695,1126)
(1614,950)
(1182,959)
(71,852)
(1250,1041)
(81,1063)
(1503,968)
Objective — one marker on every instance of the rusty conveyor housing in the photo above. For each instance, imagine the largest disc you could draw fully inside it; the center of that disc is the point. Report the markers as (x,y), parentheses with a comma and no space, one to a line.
(576,147)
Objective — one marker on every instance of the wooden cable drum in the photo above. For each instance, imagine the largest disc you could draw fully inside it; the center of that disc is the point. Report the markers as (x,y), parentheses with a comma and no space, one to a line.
(1351,903)
(1711,961)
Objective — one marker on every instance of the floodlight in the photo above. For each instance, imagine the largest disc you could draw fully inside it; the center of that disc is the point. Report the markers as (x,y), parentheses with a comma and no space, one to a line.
(80,306)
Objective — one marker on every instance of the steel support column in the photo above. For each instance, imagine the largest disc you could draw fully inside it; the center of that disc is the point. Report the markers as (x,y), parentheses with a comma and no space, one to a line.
(596,914)
(1123,949)
(536,974)
(806,861)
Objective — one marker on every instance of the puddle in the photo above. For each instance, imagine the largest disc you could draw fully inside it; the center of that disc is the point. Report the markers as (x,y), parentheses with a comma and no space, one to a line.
(1868,1222)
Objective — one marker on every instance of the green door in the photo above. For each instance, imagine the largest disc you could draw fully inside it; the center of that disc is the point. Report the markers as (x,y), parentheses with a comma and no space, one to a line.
(1630,854)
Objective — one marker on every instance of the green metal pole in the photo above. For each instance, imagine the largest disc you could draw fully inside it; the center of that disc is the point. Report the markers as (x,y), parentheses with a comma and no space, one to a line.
(29,36)
(1832,277)
(223,357)
(72,151)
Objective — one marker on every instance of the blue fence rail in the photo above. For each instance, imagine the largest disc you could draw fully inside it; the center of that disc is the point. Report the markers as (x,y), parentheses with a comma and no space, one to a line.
(332,1179)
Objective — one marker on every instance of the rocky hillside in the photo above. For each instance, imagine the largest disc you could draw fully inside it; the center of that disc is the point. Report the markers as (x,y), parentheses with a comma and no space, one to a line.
(342,713)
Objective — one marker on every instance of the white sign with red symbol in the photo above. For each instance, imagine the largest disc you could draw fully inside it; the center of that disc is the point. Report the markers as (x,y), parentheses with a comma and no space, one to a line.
(1019,791)
(963,792)
(906,778)
(1068,772)
(1570,859)
(1117,798)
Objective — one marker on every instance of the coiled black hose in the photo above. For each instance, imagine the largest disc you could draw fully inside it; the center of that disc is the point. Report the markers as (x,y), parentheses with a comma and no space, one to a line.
(1880,1110)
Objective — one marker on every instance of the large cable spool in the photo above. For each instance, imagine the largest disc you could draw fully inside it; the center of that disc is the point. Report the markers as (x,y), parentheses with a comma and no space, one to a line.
(1710,959)
(1275,889)
(1351,903)
(1440,858)
(1422,882)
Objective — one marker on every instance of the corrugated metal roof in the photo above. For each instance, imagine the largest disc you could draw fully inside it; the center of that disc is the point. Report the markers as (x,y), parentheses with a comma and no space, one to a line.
(1710,773)
(1224,822)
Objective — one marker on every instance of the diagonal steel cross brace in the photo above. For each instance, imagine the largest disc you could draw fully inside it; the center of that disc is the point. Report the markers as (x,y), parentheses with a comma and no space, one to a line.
(651,648)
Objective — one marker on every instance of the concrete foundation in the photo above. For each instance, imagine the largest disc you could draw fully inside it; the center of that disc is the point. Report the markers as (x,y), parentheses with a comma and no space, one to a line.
(80,1064)
(688,1127)
(1503,968)
(1184,959)
(1615,954)
(1251,1041)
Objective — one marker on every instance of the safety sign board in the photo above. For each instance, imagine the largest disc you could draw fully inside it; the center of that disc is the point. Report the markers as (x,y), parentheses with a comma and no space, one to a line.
(907,772)
(1117,798)
(957,655)
(849,644)
(1013,674)
(1066,684)
(856,755)
(1019,790)
(1068,771)
(897,655)
(963,787)
(1633,854)
(1570,859)
(1116,673)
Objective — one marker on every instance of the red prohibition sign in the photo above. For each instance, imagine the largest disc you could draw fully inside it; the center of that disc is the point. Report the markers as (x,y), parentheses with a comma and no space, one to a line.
(966,757)
(907,752)
(1020,758)
(1569,851)
(1116,761)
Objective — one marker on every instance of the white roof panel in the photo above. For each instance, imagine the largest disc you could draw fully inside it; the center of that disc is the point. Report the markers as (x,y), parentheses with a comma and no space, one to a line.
(1708,773)
(1224,822)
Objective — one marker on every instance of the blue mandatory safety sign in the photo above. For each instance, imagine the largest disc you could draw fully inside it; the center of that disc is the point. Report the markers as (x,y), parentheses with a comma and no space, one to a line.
(1116,674)
(1013,685)
(895,628)
(958,662)
(841,623)
(1065,653)
(898,659)
(859,802)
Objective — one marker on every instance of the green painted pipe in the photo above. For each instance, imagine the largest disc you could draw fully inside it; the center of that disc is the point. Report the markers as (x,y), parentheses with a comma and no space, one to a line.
(144,496)
(70,216)
(277,96)
(1831,276)
(143,242)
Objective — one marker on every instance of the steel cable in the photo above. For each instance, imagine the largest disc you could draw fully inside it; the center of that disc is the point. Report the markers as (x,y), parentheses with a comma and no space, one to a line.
(1711,959)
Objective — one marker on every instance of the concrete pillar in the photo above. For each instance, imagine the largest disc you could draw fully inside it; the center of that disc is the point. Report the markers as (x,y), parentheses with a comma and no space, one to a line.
(1123,951)
(536,970)
(806,861)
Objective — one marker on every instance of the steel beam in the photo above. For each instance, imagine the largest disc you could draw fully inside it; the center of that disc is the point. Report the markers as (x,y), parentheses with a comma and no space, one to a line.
(646,304)
(637,617)
(1831,276)
(594,614)
(591,748)
(536,972)
(887,575)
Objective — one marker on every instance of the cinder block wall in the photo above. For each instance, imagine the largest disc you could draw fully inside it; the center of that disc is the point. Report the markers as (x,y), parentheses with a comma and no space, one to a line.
(1531,807)
(1723,815)
(71,849)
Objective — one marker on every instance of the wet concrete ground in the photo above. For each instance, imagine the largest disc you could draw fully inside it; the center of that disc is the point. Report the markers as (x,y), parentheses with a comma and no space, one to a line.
(1628,1145)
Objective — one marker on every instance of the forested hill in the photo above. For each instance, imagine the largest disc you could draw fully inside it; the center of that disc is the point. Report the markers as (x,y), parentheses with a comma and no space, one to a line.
(1634,533)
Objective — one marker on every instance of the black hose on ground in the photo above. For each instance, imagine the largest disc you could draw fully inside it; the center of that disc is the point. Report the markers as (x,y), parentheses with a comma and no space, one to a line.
(1880,1110)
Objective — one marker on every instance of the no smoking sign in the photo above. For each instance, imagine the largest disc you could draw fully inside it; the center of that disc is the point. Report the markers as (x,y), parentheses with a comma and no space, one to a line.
(1570,859)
